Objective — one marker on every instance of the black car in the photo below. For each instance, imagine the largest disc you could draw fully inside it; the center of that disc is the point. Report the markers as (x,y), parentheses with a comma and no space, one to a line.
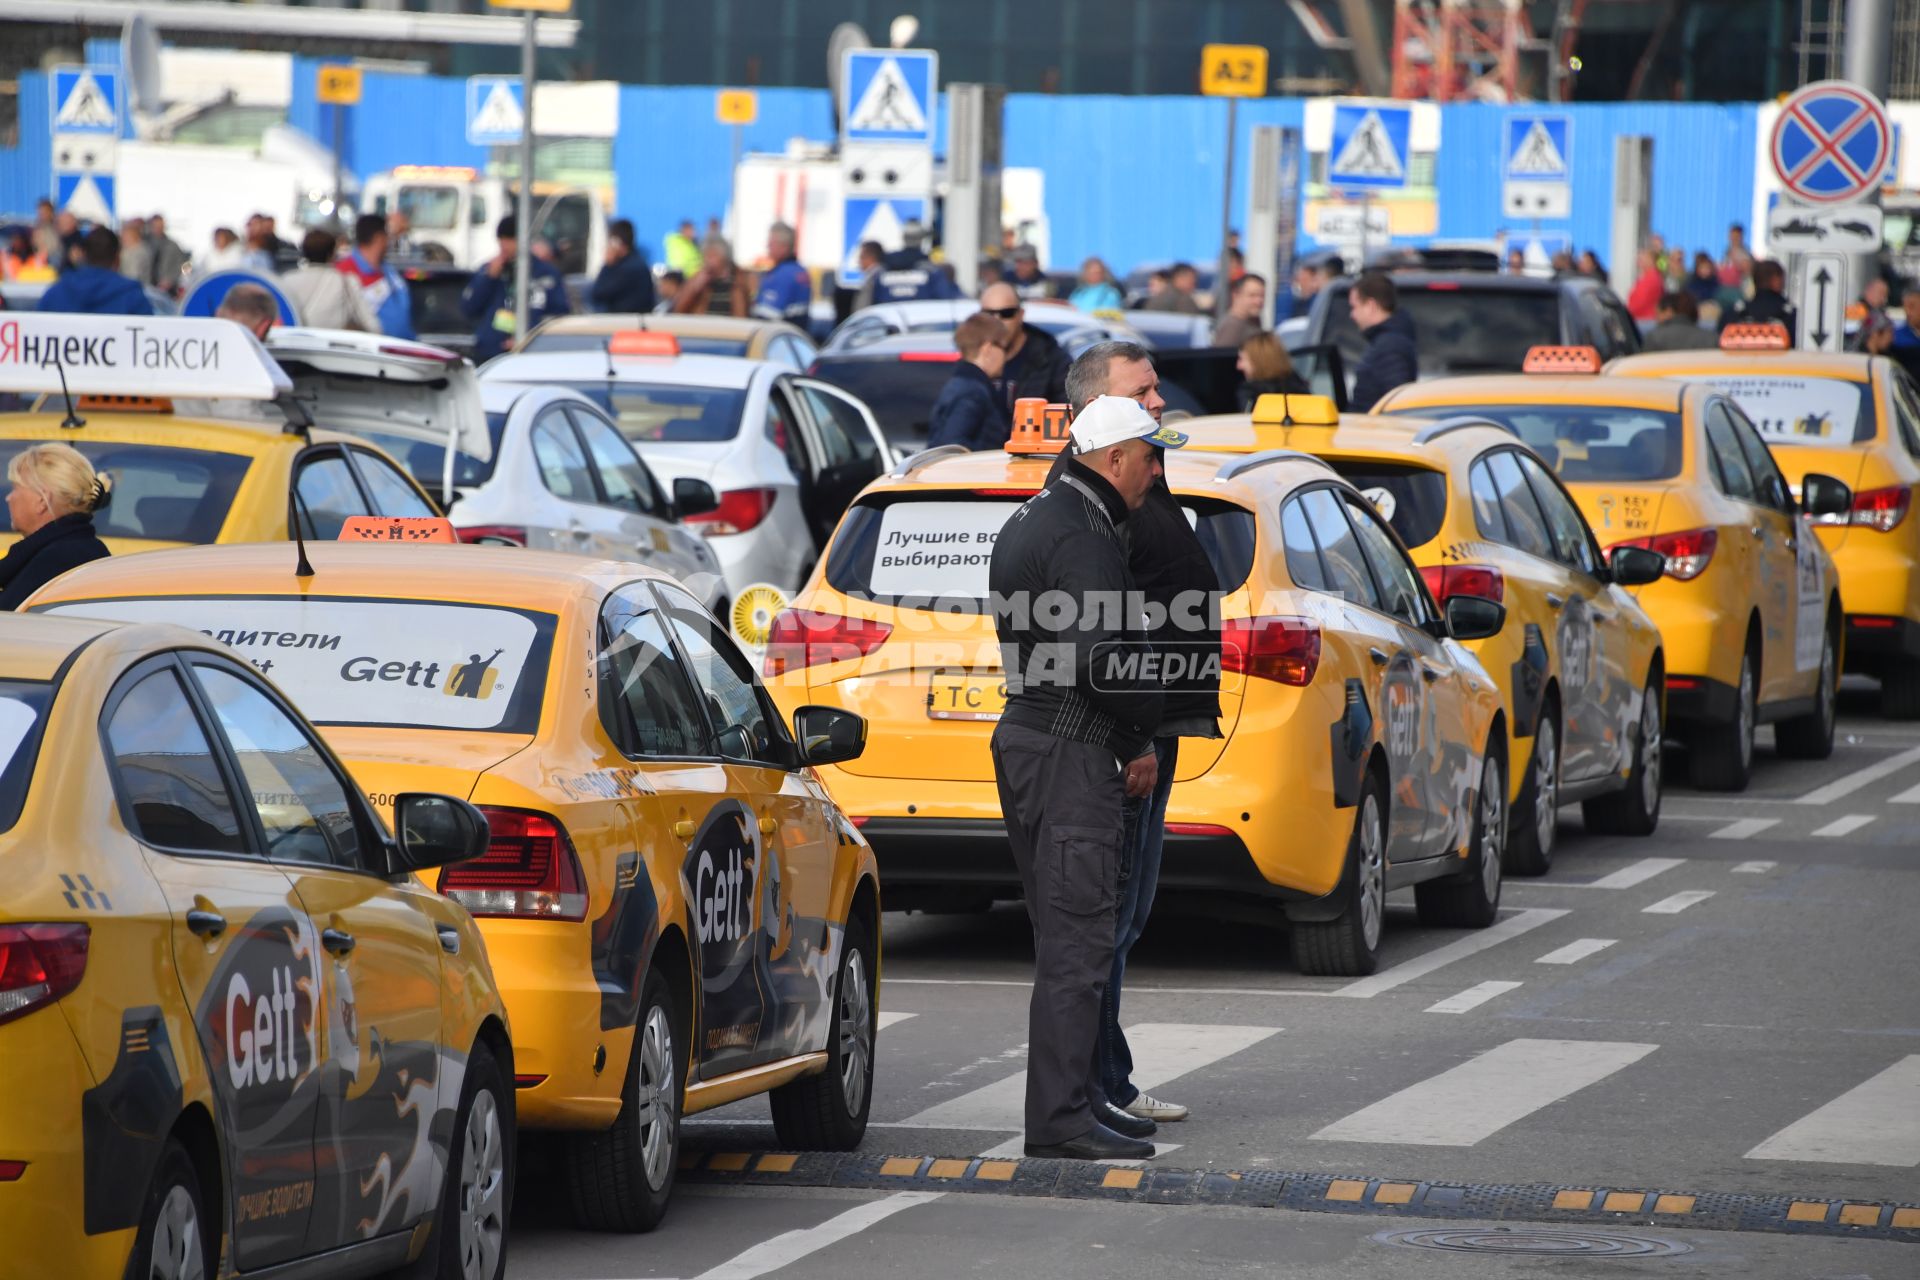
(1475,322)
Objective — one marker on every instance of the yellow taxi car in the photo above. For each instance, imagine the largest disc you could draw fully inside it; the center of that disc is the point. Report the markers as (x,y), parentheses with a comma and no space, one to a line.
(1579,663)
(232,1025)
(239,456)
(1854,416)
(750,336)
(678,914)
(1365,749)
(1749,606)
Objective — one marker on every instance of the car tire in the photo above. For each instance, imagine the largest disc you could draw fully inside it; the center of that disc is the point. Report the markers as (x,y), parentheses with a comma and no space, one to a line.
(1533,827)
(1471,900)
(1810,737)
(621,1178)
(1349,944)
(172,1243)
(1900,691)
(1720,756)
(471,1230)
(1634,810)
(828,1111)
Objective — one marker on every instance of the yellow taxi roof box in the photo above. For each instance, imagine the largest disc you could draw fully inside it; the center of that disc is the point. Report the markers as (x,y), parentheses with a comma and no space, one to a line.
(55,353)
(1274,410)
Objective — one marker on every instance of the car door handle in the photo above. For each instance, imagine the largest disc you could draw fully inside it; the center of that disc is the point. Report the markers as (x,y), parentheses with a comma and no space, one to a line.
(207,924)
(684,829)
(768,826)
(1602,617)
(1554,601)
(1379,656)
(1430,674)
(449,938)
(337,941)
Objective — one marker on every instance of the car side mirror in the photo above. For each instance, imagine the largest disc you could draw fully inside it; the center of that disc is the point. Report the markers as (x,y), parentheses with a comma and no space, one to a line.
(1823,495)
(829,735)
(437,831)
(1636,566)
(693,497)
(1474,617)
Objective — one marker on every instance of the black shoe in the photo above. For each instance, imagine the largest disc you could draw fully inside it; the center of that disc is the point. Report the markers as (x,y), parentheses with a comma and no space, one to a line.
(1097,1143)
(1124,1123)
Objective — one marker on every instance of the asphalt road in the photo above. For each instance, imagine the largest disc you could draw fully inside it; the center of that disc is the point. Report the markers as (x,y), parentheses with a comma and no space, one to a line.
(1724,1014)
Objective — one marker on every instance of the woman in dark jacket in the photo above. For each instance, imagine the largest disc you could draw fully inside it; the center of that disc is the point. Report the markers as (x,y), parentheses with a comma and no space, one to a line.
(54,495)
(1268,370)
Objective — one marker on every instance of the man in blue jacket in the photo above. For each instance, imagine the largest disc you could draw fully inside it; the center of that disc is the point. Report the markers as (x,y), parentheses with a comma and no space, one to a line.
(488,300)
(1391,360)
(786,290)
(967,412)
(626,282)
(96,287)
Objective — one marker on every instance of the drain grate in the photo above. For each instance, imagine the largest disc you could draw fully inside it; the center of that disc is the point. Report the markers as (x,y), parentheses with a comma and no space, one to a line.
(1544,1242)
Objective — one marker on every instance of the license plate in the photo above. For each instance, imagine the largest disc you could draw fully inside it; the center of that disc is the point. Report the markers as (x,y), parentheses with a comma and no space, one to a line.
(964,697)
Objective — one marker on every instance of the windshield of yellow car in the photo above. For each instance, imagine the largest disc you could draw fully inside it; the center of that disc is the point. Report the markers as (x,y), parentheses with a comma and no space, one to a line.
(1586,442)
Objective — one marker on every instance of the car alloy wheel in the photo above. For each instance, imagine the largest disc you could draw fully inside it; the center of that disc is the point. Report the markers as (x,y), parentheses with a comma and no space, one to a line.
(856,1032)
(1372,872)
(178,1249)
(655,1114)
(483,1190)
(1493,827)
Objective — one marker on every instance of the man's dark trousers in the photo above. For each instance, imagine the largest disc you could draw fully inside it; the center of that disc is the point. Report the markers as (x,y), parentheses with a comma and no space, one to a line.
(1062,803)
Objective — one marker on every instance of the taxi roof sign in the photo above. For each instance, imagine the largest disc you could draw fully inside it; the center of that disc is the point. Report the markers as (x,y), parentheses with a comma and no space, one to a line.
(1276,410)
(643,342)
(1038,427)
(1549,359)
(397,529)
(1755,337)
(53,352)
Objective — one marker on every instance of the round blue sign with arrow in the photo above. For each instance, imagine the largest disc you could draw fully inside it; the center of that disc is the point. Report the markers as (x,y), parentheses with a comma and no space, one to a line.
(1831,142)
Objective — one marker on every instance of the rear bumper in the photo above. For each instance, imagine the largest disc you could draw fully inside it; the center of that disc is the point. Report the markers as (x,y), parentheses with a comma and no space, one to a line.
(1700,699)
(1874,640)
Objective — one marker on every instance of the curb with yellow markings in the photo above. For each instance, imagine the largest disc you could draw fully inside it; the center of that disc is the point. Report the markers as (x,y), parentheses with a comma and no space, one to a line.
(1313,1192)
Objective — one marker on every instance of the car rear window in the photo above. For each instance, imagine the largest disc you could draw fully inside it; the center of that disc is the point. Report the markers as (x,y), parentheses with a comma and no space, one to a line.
(952,532)
(360,661)
(648,412)
(1462,329)
(426,461)
(433,302)
(23,712)
(695,346)
(1789,409)
(1587,442)
(170,495)
(1413,499)
(900,392)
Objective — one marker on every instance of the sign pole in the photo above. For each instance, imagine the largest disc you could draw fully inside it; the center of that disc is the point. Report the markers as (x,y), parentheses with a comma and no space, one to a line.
(523,256)
(1869,54)
(1221,279)
(339,188)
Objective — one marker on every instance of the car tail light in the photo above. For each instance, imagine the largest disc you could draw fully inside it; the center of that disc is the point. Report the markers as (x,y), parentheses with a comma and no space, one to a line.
(1277,648)
(1868,622)
(1480,580)
(929,357)
(738,511)
(1687,553)
(1022,494)
(1197,829)
(10,1170)
(803,638)
(1682,682)
(860,821)
(440,354)
(1882,510)
(494,534)
(39,963)
(528,1081)
(529,870)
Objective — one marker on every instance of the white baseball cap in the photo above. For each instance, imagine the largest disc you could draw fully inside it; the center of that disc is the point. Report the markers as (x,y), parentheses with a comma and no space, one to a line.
(1108,420)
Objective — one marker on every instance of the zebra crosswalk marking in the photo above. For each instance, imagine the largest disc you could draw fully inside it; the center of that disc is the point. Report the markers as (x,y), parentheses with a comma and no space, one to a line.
(1875,1122)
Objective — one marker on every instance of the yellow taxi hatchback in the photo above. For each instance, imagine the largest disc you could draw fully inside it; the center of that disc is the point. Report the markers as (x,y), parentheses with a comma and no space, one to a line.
(677,913)
(1364,748)
(1579,663)
(1855,417)
(1749,606)
(236,1034)
(201,430)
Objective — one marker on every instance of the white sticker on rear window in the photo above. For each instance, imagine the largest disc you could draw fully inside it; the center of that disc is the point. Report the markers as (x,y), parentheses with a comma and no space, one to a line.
(937,548)
(1789,410)
(16,722)
(370,662)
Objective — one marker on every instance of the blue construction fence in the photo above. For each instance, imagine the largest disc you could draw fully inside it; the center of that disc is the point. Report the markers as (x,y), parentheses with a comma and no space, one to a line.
(1132,179)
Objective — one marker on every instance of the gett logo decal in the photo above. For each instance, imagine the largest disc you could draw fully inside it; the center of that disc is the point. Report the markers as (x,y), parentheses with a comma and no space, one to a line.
(722,902)
(467,676)
(265,1035)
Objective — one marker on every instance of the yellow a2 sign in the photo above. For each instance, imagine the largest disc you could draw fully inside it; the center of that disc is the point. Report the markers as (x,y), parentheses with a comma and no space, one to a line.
(1233,70)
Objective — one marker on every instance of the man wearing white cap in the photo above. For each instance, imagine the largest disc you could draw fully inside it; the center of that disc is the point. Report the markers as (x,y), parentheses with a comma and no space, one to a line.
(1075,740)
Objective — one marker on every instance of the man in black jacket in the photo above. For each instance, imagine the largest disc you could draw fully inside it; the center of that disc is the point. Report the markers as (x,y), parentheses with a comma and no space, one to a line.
(626,282)
(1076,738)
(1181,592)
(1036,367)
(1391,359)
(1769,304)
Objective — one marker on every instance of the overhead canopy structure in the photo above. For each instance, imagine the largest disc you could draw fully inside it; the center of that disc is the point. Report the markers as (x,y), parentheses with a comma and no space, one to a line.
(286,22)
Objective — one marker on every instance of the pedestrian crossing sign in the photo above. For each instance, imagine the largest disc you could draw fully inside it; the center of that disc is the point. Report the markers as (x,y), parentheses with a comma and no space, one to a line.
(495,112)
(1369,146)
(888,95)
(86,100)
(1539,149)
(87,196)
(881,218)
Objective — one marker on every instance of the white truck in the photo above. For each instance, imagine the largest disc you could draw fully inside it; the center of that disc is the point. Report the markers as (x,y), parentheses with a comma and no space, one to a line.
(453,210)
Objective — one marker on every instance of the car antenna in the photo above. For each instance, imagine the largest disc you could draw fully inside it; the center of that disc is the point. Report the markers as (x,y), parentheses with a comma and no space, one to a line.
(606,349)
(72,419)
(302,567)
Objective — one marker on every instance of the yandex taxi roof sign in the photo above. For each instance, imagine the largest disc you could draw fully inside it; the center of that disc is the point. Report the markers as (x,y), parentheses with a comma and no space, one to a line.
(136,356)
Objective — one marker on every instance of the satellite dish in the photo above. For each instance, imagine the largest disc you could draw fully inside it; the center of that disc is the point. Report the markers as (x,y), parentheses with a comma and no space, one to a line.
(902,30)
(140,63)
(848,35)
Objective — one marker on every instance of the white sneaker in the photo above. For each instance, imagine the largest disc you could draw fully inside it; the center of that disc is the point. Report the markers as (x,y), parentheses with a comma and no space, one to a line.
(1151,1108)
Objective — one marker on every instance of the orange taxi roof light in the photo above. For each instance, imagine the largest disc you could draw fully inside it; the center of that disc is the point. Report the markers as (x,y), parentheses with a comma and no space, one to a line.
(1544,359)
(1755,337)
(643,342)
(123,404)
(1038,427)
(1274,410)
(397,529)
